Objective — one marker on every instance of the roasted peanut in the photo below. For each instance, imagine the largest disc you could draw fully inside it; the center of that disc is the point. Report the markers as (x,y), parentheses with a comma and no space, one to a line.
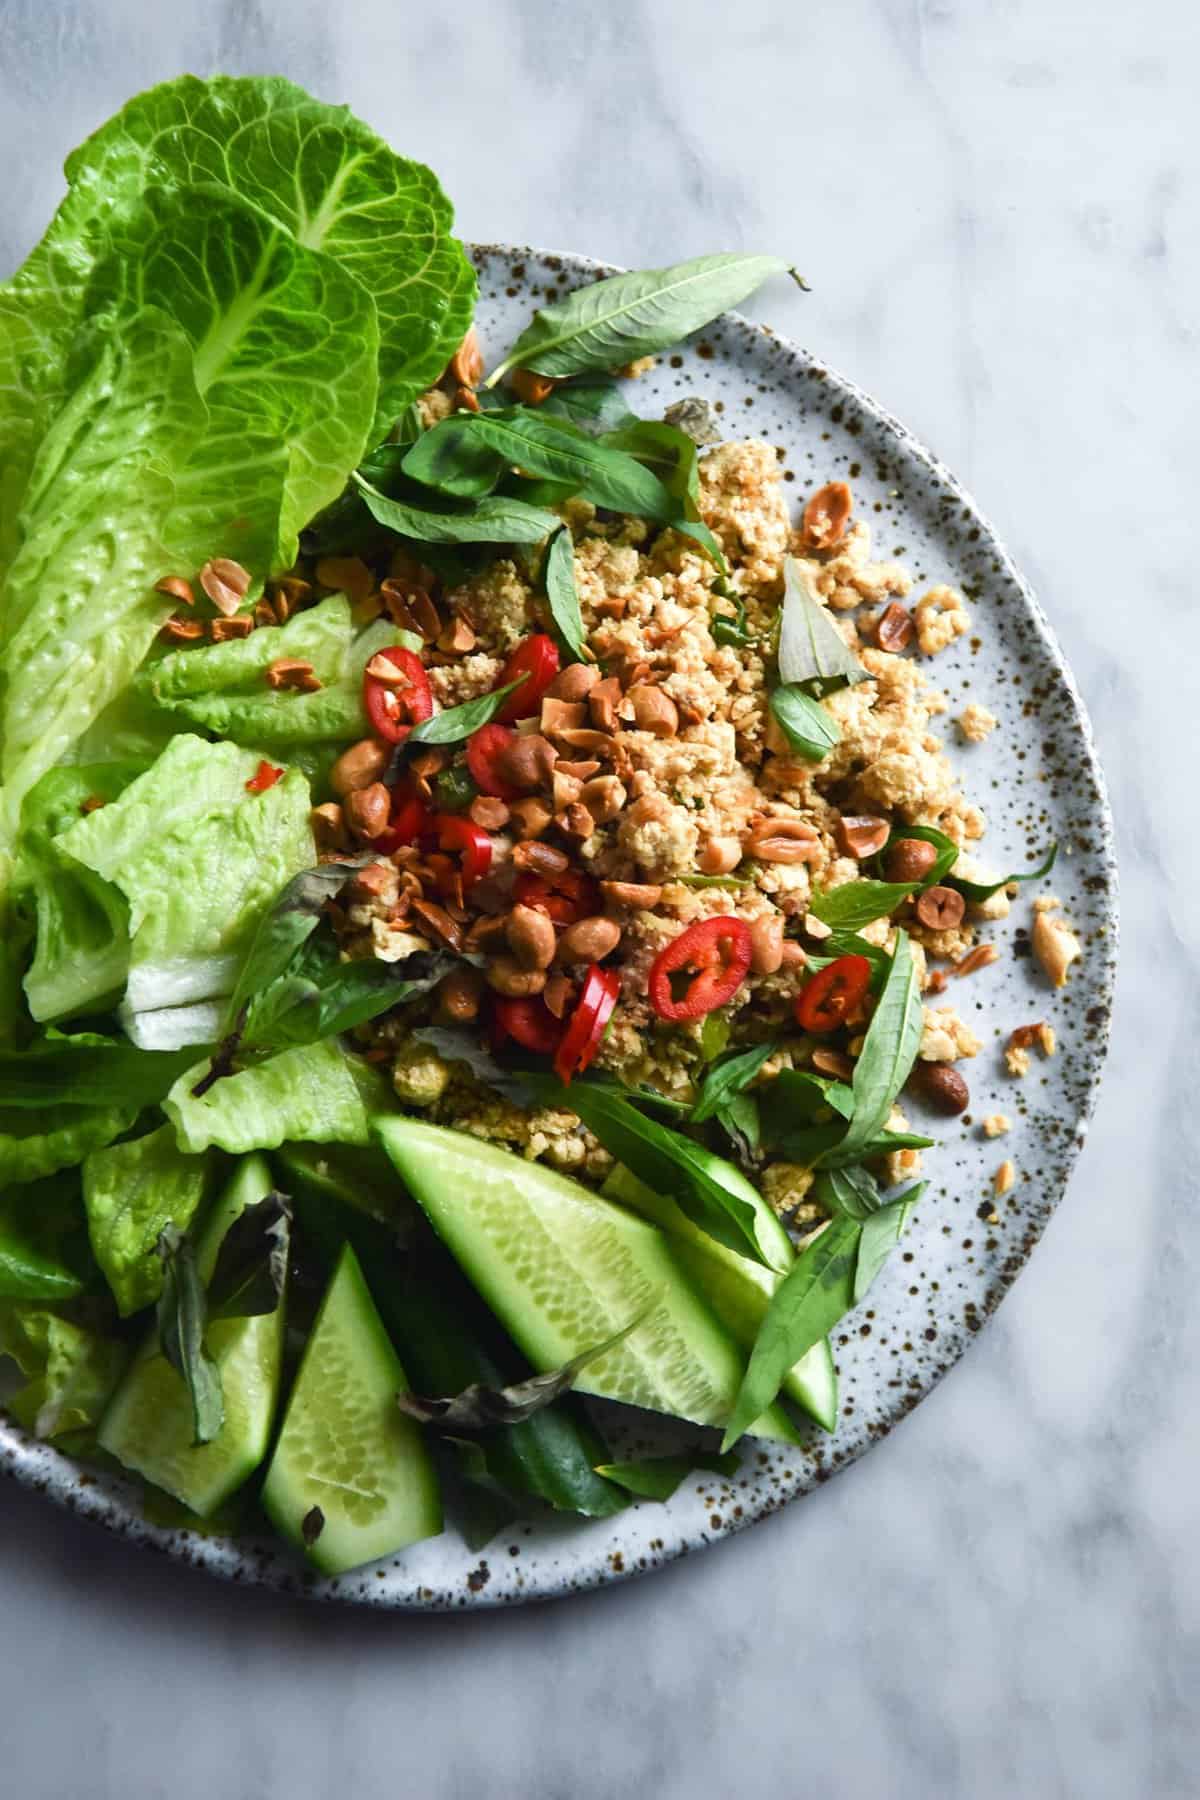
(367,810)
(861,835)
(530,937)
(941,908)
(783,841)
(529,388)
(466,400)
(942,1086)
(458,996)
(507,977)
(527,761)
(603,700)
(833,1062)
(458,637)
(909,859)
(574,683)
(182,631)
(604,797)
(293,672)
(793,954)
(328,826)
(766,944)
(359,766)
(653,710)
(438,923)
(466,365)
(288,595)
(557,993)
(177,588)
(226,583)
(348,575)
(719,856)
(894,628)
(565,790)
(223,631)
(826,516)
(562,715)
(539,859)
(1055,946)
(488,813)
(531,817)
(641,896)
(589,940)
(576,821)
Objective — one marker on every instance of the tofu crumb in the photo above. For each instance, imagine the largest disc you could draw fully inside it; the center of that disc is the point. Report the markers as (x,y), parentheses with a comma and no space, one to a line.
(1054,943)
(1005,1178)
(946,1037)
(1045,1039)
(996,1124)
(976,723)
(940,616)
(1017,1059)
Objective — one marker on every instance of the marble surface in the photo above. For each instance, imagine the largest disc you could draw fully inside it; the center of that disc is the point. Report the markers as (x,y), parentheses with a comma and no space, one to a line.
(992,203)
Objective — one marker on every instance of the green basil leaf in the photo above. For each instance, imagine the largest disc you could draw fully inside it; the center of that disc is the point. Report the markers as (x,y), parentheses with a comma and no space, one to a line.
(808,1303)
(455,789)
(521,438)
(714,1034)
(594,406)
(671,455)
(293,918)
(889,1049)
(658,1477)
(978,891)
(182,1317)
(606,324)
(730,882)
(881,1232)
(44,1249)
(729,1078)
(458,722)
(456,1044)
(739,1118)
(798,1098)
(250,1272)
(809,729)
(731,631)
(563,596)
(858,903)
(496,519)
(482,1408)
(853,1192)
(320,996)
(811,648)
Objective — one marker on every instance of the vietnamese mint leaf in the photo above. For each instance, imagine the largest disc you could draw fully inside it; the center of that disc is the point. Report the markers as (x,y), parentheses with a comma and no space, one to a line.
(182,1318)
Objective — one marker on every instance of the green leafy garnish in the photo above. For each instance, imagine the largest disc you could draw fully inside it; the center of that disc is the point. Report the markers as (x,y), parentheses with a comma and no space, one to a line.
(812,651)
(606,324)
(809,729)
(858,903)
(978,891)
(44,1251)
(496,519)
(672,456)
(728,1079)
(563,595)
(458,722)
(181,1317)
(889,1049)
(658,1477)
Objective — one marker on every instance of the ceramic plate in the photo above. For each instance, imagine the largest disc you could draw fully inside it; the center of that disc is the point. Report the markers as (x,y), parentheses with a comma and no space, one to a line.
(1038,779)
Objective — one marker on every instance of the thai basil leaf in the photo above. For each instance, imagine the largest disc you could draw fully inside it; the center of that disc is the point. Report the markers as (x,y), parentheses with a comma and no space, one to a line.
(453,457)
(881,1232)
(563,595)
(858,903)
(889,1049)
(458,722)
(87,1070)
(714,1034)
(844,942)
(44,1250)
(978,891)
(798,1098)
(812,651)
(496,519)
(729,1078)
(671,455)
(480,1408)
(739,1118)
(823,1146)
(595,406)
(733,631)
(320,996)
(293,919)
(658,1477)
(182,1318)
(250,1272)
(606,324)
(808,1303)
(809,729)
(853,1192)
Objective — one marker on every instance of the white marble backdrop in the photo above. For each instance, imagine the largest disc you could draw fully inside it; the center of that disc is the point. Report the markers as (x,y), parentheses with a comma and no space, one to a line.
(996,202)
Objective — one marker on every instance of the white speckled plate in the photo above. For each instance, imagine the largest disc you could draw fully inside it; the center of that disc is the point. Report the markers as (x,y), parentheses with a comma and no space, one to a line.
(1037,779)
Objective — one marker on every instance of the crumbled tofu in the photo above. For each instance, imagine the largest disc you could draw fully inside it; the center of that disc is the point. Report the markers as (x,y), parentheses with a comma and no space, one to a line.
(1045,1039)
(976,723)
(641,365)
(433,407)
(940,617)
(946,1037)
(996,1124)
(1054,943)
(1018,1060)
(419,1075)
(1005,1178)
(785,1186)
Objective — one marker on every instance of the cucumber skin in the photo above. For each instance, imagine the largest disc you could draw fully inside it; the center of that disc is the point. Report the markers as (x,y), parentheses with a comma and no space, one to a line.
(263,1335)
(717,1272)
(341,1547)
(418,1148)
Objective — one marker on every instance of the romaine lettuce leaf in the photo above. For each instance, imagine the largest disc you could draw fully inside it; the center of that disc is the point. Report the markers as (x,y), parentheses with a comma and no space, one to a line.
(85,1069)
(199,860)
(35,1143)
(44,1249)
(321,635)
(131,1191)
(81,952)
(72,1372)
(312,1094)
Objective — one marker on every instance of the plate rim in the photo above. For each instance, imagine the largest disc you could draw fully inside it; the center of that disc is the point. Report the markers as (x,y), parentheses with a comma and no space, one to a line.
(74,1487)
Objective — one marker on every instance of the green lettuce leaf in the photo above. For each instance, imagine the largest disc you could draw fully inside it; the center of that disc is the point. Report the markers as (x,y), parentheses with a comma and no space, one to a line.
(199,860)
(37,1142)
(311,1094)
(71,1371)
(86,1069)
(44,1250)
(131,1191)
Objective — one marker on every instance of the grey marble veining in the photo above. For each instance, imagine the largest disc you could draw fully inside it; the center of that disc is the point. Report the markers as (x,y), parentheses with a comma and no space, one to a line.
(996,206)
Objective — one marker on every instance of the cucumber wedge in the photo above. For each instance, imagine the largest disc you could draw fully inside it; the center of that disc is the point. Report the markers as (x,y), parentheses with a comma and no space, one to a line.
(348,1174)
(563,1268)
(738,1290)
(148,1424)
(346,1448)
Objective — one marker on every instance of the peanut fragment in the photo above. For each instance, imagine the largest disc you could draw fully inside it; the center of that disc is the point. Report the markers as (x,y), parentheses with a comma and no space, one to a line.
(783,841)
(1055,946)
(941,908)
(576,821)
(642,896)
(438,922)
(288,595)
(604,797)
(826,516)
(292,672)
(347,575)
(894,628)
(529,388)
(458,637)
(222,630)
(466,365)
(861,835)
(561,715)
(1005,1178)
(589,940)
(177,588)
(603,701)
(654,711)
(531,816)
(574,683)
(359,766)
(226,583)
(181,631)
(488,813)
(328,826)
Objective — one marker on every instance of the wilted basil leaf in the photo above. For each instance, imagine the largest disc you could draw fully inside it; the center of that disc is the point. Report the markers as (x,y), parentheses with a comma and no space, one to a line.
(809,729)
(658,1477)
(251,1267)
(311,1526)
(182,1316)
(480,1408)
(320,996)
(563,595)
(455,1044)
(812,651)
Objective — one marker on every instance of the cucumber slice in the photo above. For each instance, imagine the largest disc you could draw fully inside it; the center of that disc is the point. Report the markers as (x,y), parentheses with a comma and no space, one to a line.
(738,1290)
(148,1424)
(349,1174)
(562,1269)
(345,1446)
